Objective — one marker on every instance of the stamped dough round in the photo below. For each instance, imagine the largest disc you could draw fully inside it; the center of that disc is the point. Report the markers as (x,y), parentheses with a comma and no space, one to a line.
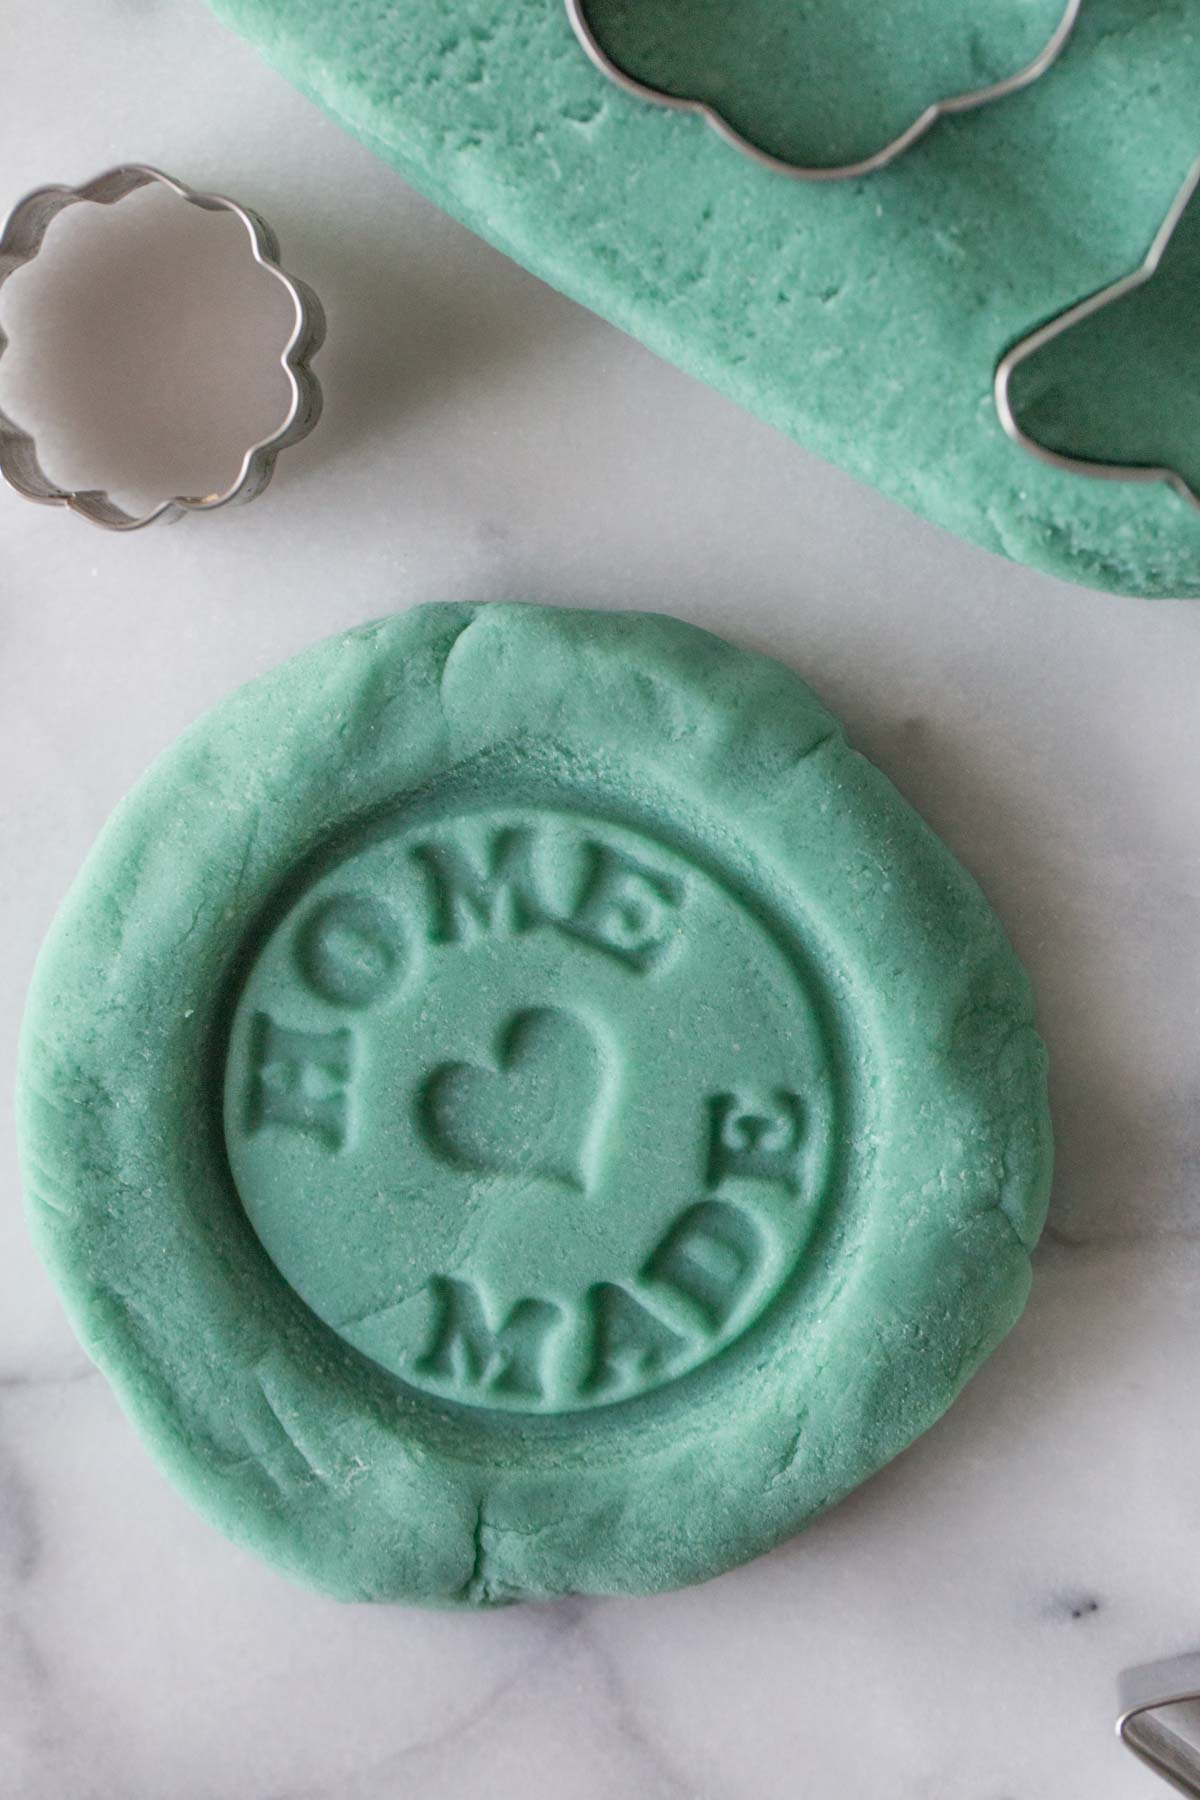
(517,1106)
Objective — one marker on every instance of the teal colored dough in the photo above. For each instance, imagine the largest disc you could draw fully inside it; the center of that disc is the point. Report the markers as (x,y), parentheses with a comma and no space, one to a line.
(866,318)
(516,1106)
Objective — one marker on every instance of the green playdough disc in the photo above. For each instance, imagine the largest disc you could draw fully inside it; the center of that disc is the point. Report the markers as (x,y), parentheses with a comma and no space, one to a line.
(515,1105)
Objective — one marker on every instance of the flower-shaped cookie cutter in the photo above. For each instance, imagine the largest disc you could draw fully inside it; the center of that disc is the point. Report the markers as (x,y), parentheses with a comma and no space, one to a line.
(1148,1695)
(20,240)
(577,13)
(1075,315)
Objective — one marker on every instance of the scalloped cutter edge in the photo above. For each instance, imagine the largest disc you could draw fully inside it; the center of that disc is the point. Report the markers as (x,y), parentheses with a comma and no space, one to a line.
(20,241)
(924,122)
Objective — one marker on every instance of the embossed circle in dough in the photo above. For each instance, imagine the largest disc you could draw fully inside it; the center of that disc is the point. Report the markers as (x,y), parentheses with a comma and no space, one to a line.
(516,1105)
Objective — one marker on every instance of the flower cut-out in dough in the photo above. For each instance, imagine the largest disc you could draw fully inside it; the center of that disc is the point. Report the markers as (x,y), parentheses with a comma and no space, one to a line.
(20,241)
(585,17)
(1082,397)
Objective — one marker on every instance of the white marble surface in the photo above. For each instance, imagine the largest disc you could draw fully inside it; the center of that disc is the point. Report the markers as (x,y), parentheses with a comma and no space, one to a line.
(954,1631)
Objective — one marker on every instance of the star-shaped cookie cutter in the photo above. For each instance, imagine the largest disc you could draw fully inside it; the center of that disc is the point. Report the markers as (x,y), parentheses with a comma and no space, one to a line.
(20,240)
(1075,315)
(577,13)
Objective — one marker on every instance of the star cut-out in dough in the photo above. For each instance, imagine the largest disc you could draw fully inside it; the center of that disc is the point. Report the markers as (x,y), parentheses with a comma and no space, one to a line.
(1066,321)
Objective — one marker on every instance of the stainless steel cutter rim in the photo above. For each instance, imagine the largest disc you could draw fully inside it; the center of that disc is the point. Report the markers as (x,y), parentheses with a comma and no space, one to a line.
(924,122)
(1148,1689)
(21,239)
(1075,315)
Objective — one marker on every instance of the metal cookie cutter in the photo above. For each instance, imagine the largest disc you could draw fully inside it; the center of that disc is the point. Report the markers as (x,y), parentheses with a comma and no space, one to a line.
(1074,315)
(1160,1719)
(21,239)
(577,13)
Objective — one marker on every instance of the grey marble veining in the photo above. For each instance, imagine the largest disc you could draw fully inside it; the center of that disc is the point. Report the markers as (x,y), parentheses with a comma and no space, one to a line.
(954,1630)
